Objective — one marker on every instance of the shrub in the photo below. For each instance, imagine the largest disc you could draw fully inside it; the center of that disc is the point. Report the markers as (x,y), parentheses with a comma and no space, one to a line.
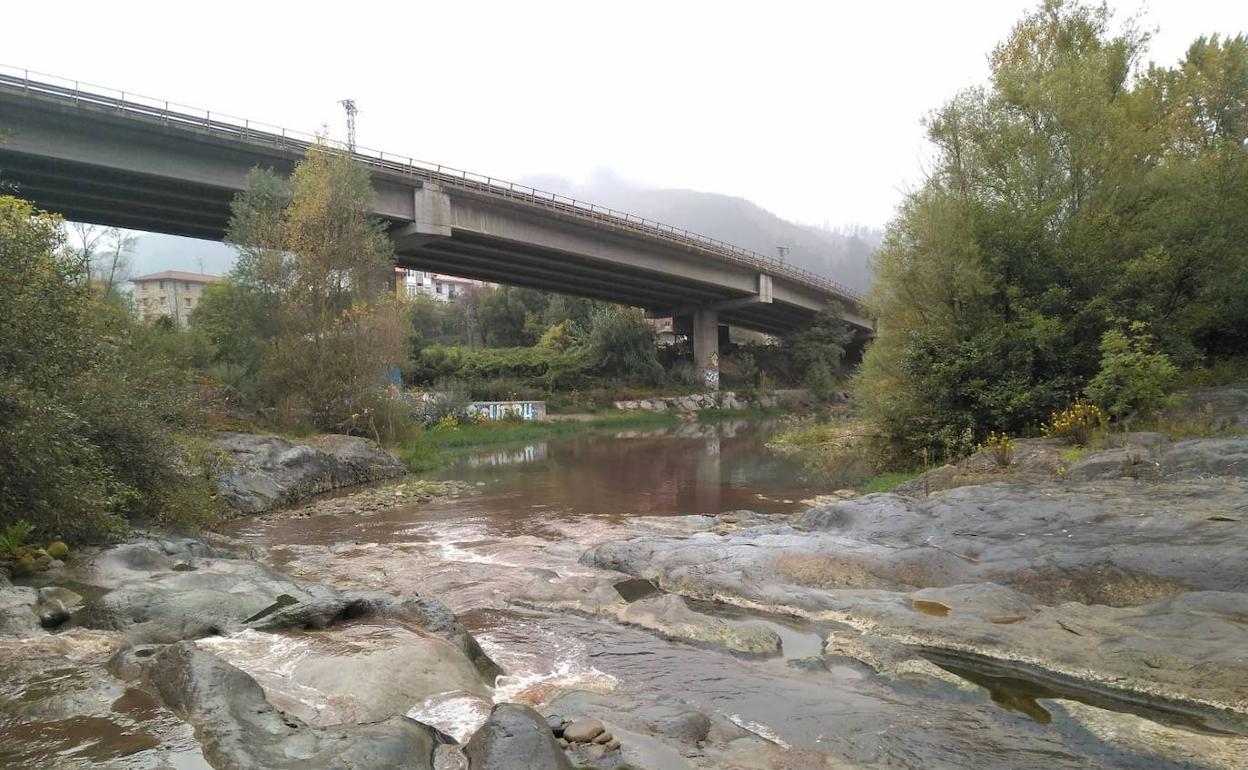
(820,381)
(1134,376)
(1076,424)
(90,401)
(1000,448)
(547,366)
(448,398)
(558,336)
(619,343)
(13,537)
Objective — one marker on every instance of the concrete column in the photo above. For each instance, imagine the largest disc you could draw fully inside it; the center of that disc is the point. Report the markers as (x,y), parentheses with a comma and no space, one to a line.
(706,347)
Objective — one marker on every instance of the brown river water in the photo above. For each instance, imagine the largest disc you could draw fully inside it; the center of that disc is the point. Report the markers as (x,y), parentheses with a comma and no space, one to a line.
(536,507)
(533,509)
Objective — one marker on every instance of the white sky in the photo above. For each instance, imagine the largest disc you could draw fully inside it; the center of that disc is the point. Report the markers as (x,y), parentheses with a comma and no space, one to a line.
(810,108)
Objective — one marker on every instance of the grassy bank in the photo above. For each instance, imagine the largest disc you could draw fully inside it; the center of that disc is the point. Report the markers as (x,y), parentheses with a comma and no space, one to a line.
(438,446)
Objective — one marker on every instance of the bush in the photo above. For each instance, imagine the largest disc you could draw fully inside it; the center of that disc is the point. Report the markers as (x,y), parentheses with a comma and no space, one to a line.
(1076,424)
(820,381)
(1000,448)
(546,367)
(447,398)
(1134,377)
(90,401)
(619,343)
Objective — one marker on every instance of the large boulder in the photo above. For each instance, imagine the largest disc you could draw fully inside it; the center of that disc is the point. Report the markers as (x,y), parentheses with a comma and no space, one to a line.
(268,472)
(363,672)
(515,737)
(19,614)
(238,729)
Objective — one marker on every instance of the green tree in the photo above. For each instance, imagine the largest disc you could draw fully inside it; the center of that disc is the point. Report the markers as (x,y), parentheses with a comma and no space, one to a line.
(89,400)
(1071,190)
(512,316)
(305,323)
(819,346)
(619,343)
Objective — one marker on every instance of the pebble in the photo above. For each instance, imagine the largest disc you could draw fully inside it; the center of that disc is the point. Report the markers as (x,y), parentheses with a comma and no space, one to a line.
(613,744)
(603,737)
(596,751)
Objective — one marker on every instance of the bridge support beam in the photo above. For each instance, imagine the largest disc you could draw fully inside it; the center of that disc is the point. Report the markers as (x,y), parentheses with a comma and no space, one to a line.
(705,339)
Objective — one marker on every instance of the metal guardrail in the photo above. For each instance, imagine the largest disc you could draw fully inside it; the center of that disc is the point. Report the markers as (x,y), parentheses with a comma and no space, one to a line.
(172,113)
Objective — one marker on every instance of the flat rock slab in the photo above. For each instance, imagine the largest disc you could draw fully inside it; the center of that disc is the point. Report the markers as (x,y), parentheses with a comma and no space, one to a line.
(665,614)
(1191,648)
(165,591)
(1119,542)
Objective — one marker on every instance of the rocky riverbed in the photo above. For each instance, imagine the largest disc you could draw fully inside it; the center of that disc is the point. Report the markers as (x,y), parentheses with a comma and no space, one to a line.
(1066,612)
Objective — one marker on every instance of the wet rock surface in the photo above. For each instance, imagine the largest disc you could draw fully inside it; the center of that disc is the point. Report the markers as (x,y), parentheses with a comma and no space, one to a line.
(515,737)
(239,729)
(269,472)
(665,614)
(1132,586)
(126,668)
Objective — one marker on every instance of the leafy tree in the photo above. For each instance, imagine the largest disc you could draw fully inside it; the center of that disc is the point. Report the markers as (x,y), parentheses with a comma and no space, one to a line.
(305,323)
(619,343)
(89,399)
(1072,190)
(819,346)
(512,316)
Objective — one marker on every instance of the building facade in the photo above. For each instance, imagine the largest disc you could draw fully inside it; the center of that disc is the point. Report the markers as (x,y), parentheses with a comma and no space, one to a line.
(409,283)
(170,294)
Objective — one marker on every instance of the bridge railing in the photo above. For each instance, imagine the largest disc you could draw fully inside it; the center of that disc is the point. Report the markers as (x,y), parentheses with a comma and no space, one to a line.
(173,113)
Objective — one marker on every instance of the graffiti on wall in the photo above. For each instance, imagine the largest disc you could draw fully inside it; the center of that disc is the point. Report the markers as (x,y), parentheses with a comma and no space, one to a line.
(710,375)
(501,410)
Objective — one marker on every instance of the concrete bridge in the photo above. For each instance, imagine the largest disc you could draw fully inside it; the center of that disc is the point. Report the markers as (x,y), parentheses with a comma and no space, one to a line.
(118,159)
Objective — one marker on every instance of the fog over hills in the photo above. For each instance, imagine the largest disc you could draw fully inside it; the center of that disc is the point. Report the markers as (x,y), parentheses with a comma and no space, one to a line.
(840,254)
(154,252)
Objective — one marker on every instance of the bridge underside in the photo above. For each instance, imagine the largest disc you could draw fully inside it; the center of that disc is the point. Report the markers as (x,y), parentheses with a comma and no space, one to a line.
(474,255)
(87,193)
(105,166)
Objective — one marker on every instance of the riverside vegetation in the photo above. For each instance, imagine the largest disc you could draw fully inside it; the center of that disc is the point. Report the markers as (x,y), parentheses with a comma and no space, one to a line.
(1049,432)
(104,417)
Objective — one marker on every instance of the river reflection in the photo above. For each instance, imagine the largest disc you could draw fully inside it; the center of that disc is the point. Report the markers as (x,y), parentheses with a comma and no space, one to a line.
(693,468)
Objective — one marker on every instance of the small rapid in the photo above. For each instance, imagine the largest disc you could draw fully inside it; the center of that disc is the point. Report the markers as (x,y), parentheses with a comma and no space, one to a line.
(532,511)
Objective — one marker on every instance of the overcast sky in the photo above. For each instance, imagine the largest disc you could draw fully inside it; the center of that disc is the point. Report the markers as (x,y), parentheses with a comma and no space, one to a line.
(811,109)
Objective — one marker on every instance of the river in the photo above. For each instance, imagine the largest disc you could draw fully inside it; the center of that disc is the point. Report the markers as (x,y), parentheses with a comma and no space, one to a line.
(534,508)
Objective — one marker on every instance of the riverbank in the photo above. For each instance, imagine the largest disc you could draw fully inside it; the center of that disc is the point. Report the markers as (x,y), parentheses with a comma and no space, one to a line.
(438,446)
(668,584)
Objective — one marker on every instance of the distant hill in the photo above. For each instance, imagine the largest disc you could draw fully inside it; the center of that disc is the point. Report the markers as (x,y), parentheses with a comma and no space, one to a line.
(840,254)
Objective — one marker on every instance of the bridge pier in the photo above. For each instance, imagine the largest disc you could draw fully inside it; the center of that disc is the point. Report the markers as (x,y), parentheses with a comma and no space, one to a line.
(705,339)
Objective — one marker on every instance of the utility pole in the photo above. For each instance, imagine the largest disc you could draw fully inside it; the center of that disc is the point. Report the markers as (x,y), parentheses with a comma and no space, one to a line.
(349,106)
(783,251)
